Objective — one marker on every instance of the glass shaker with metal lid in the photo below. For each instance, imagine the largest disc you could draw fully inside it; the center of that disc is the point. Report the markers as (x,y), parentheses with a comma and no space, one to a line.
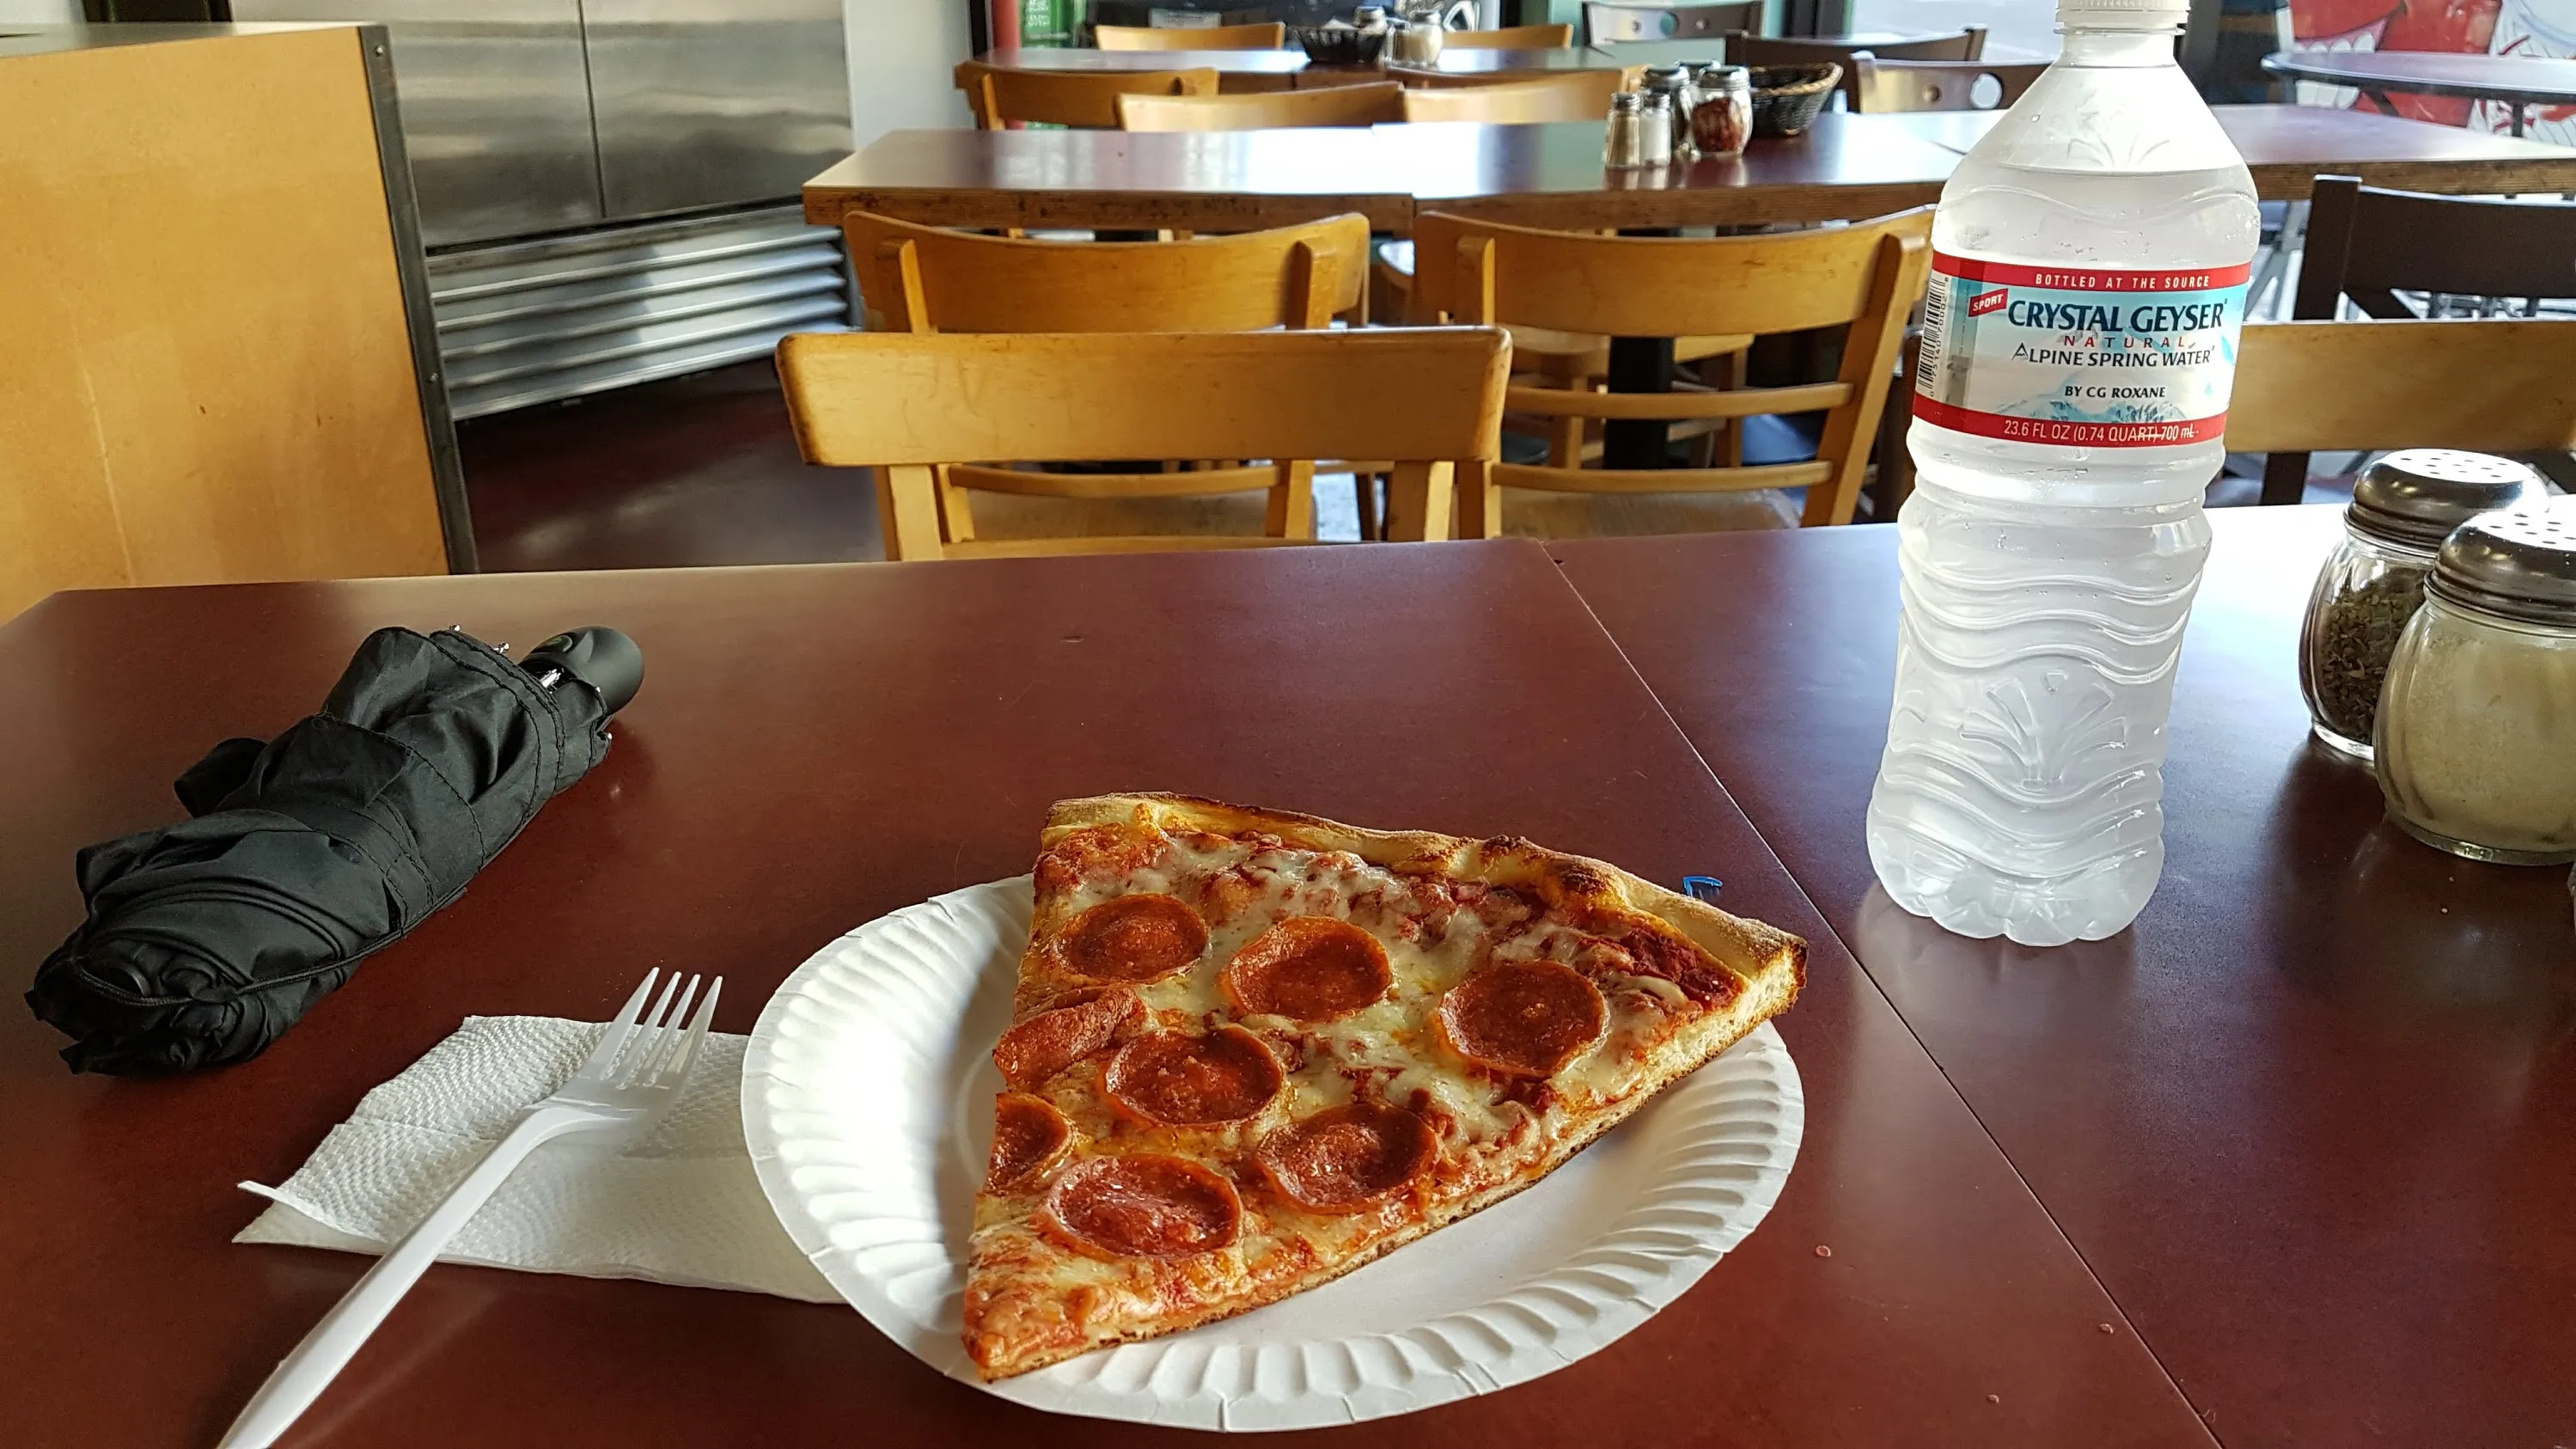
(2477,725)
(2403,506)
(1655,128)
(1672,82)
(1622,147)
(1721,114)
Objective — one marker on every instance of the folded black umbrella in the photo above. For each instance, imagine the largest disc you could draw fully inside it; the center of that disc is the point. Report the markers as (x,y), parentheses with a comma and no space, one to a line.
(208,938)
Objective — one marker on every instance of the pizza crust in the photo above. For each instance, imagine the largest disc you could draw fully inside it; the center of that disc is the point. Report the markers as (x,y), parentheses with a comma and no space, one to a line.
(1771,964)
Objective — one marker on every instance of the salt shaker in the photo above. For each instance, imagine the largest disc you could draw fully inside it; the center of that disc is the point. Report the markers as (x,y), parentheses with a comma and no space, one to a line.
(1672,82)
(2476,731)
(2403,506)
(1654,129)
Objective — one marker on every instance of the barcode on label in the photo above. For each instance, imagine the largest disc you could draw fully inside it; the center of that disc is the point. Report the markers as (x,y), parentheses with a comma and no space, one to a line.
(1936,329)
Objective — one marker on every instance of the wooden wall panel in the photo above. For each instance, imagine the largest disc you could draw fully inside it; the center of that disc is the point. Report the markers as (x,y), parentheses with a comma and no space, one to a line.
(204,370)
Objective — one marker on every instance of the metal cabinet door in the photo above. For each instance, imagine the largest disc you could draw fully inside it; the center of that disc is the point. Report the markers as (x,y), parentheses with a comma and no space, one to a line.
(708,102)
(495,109)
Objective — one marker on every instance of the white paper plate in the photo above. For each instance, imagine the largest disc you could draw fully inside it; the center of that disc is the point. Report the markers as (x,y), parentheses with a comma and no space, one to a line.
(867,1097)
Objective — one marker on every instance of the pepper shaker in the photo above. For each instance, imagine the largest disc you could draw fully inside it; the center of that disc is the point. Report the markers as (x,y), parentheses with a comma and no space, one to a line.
(2403,506)
(1622,145)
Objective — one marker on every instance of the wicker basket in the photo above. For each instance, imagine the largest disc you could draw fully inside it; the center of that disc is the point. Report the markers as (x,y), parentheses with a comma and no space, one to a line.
(1340,45)
(1786,98)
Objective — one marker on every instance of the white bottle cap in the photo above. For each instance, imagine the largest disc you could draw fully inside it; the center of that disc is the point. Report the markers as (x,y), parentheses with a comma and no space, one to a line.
(2123,12)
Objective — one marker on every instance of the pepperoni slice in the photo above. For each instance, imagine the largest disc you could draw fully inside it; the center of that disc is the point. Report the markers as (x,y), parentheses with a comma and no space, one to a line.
(1029,1134)
(1033,1050)
(1523,1018)
(1311,968)
(1143,1205)
(1350,1157)
(1195,1081)
(1133,938)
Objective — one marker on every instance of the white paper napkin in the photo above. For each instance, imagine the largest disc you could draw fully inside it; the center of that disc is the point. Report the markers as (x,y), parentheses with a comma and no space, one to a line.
(682,1205)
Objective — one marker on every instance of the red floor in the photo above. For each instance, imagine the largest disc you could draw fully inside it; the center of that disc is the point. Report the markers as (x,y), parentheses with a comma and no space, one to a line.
(696,470)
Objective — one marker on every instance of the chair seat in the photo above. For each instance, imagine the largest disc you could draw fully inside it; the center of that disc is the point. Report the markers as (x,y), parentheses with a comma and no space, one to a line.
(1009,517)
(1530,513)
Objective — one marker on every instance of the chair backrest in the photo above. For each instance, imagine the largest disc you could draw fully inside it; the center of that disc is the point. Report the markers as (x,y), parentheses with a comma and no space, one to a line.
(1937,85)
(1607,24)
(907,405)
(1269,35)
(1750,49)
(1000,96)
(2504,386)
(2367,244)
(1865,277)
(1510,37)
(1360,105)
(924,279)
(1574,95)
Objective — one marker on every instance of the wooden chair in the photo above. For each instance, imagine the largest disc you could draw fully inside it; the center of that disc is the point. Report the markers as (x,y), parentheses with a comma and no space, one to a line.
(1608,24)
(925,279)
(1865,276)
(1271,35)
(1575,95)
(1068,97)
(2367,244)
(1511,37)
(1937,85)
(1361,105)
(913,406)
(2504,386)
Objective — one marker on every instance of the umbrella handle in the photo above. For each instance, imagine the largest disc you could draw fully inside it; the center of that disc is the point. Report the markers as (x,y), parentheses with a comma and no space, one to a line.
(598,656)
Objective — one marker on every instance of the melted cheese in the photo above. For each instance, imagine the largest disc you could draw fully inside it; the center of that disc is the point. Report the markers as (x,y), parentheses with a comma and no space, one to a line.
(1489,1134)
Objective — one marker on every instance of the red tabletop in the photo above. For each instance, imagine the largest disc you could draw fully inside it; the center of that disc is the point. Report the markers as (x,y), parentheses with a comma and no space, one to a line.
(2313,1120)
(1847,166)
(815,746)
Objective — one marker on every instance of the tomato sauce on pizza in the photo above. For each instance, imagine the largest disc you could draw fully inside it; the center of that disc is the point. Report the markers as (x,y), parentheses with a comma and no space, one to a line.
(1251,1051)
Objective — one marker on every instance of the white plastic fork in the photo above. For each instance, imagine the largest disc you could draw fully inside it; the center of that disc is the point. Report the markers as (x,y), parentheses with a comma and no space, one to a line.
(626,1084)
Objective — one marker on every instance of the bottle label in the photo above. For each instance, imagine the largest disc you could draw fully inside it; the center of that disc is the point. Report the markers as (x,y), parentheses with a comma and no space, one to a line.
(2077,356)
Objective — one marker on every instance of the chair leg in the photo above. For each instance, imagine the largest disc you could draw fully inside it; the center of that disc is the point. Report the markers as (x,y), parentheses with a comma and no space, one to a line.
(1364,494)
(1565,437)
(2285,478)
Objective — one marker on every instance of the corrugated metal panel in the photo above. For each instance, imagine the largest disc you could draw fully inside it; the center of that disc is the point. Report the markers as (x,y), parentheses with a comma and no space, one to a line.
(532,322)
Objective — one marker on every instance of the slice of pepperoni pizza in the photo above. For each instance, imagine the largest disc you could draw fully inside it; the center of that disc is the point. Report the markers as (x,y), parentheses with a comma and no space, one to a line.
(1251,1051)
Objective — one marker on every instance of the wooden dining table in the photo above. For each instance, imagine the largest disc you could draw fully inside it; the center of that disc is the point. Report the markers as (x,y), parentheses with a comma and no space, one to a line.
(1847,166)
(816,746)
(2312,1120)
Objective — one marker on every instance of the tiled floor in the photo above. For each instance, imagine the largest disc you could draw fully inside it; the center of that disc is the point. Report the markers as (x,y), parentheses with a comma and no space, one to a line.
(693,471)
(696,470)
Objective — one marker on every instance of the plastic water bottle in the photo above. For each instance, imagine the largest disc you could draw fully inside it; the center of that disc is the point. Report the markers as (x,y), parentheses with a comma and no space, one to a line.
(2079,342)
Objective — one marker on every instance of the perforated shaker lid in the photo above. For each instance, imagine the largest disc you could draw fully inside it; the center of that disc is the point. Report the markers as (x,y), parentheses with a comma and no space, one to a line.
(2418,496)
(2518,563)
